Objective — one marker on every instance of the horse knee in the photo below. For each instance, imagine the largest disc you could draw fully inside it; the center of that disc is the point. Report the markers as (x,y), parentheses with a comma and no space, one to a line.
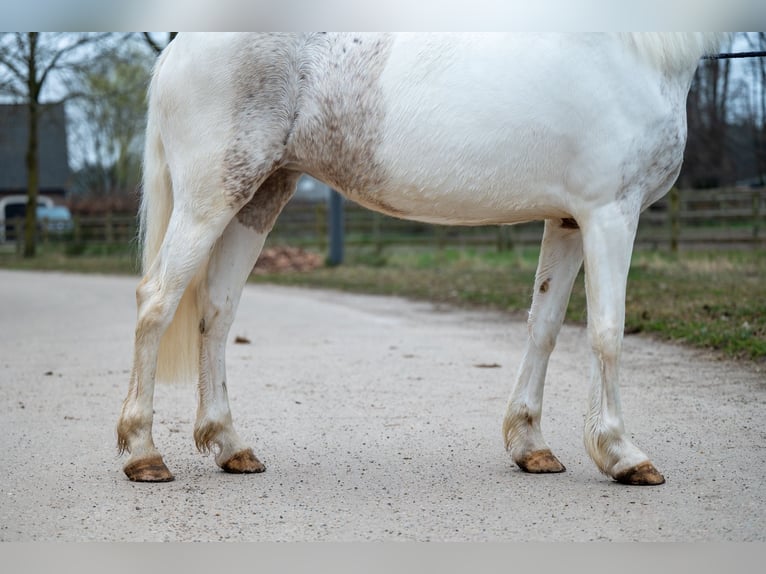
(544,336)
(606,342)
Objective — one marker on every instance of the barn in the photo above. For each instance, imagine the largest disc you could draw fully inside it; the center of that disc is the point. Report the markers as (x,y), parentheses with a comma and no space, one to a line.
(53,159)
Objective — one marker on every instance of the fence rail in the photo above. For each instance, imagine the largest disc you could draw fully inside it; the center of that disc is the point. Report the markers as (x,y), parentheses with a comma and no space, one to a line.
(686,218)
(108,230)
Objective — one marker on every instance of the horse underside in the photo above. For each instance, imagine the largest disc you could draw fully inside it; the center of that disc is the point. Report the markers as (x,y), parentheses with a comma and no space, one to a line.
(446,129)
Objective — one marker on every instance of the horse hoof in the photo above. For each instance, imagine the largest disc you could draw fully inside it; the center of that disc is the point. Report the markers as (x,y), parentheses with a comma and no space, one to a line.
(150,469)
(244,462)
(643,474)
(540,462)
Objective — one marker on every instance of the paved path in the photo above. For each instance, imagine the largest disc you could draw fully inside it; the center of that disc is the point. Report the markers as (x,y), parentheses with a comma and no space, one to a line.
(374,420)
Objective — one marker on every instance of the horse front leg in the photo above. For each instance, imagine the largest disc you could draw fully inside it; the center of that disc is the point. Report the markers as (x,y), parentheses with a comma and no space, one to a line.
(608,238)
(560,260)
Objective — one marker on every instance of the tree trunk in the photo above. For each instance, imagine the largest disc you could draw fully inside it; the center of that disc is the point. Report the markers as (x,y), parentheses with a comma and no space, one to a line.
(32,160)
(30,226)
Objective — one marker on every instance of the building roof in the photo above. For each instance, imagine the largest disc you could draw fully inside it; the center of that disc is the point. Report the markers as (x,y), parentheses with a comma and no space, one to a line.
(54,163)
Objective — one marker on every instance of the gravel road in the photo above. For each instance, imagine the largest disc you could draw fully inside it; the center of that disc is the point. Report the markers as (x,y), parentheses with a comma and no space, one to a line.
(377,418)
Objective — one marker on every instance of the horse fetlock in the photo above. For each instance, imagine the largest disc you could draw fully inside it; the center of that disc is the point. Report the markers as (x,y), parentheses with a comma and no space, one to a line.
(516,426)
(524,440)
(206,435)
(619,458)
(133,432)
(220,438)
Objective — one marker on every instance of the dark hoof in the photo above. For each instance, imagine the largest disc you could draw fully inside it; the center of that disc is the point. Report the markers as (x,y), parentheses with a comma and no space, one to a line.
(643,474)
(243,462)
(148,470)
(540,462)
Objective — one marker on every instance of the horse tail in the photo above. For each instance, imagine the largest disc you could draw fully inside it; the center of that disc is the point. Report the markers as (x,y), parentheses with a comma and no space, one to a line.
(179,348)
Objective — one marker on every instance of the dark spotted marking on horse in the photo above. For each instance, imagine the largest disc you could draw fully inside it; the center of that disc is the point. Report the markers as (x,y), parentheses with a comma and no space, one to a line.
(569,223)
(545,285)
(261,212)
(338,131)
(264,113)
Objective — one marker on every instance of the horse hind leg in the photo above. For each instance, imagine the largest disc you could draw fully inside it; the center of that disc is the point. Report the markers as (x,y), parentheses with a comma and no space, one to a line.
(560,260)
(184,250)
(201,213)
(230,264)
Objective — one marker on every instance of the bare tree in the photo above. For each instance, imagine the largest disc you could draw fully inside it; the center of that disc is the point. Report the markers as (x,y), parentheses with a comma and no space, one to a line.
(705,160)
(757,104)
(156,46)
(30,62)
(114,110)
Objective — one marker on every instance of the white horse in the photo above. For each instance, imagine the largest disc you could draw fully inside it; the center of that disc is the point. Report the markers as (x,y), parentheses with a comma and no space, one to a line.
(583,131)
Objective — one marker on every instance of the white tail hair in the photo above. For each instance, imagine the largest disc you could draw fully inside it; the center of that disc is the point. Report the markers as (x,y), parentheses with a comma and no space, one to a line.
(179,349)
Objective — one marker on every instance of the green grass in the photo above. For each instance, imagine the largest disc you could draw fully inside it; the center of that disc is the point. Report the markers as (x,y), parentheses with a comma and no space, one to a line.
(709,300)
(713,300)
(90,259)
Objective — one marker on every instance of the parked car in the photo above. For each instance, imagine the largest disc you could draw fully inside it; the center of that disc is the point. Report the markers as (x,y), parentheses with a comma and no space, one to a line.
(54,218)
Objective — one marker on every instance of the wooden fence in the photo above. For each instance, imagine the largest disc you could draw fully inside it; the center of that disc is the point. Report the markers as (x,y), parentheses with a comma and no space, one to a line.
(684,218)
(102,231)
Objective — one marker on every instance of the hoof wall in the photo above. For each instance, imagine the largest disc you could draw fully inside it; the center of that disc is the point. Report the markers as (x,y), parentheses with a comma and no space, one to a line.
(148,470)
(643,474)
(244,462)
(540,462)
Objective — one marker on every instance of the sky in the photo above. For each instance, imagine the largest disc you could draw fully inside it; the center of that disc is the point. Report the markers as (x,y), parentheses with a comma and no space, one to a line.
(412,15)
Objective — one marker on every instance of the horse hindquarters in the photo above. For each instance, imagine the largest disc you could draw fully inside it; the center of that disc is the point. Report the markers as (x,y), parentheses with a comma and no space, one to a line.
(213,178)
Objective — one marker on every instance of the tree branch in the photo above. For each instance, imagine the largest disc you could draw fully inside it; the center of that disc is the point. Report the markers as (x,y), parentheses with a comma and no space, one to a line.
(6,61)
(52,65)
(152,44)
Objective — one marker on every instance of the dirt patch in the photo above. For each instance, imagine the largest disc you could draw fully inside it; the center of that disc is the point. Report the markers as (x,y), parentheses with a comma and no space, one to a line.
(280,259)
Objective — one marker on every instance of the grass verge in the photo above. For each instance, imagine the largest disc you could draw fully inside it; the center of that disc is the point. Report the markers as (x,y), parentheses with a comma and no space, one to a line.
(712,300)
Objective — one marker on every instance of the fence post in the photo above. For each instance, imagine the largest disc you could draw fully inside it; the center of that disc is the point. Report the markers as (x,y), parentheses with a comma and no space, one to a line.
(756,213)
(377,236)
(45,224)
(336,228)
(674,207)
(77,229)
(440,232)
(320,225)
(109,228)
(18,226)
(506,238)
